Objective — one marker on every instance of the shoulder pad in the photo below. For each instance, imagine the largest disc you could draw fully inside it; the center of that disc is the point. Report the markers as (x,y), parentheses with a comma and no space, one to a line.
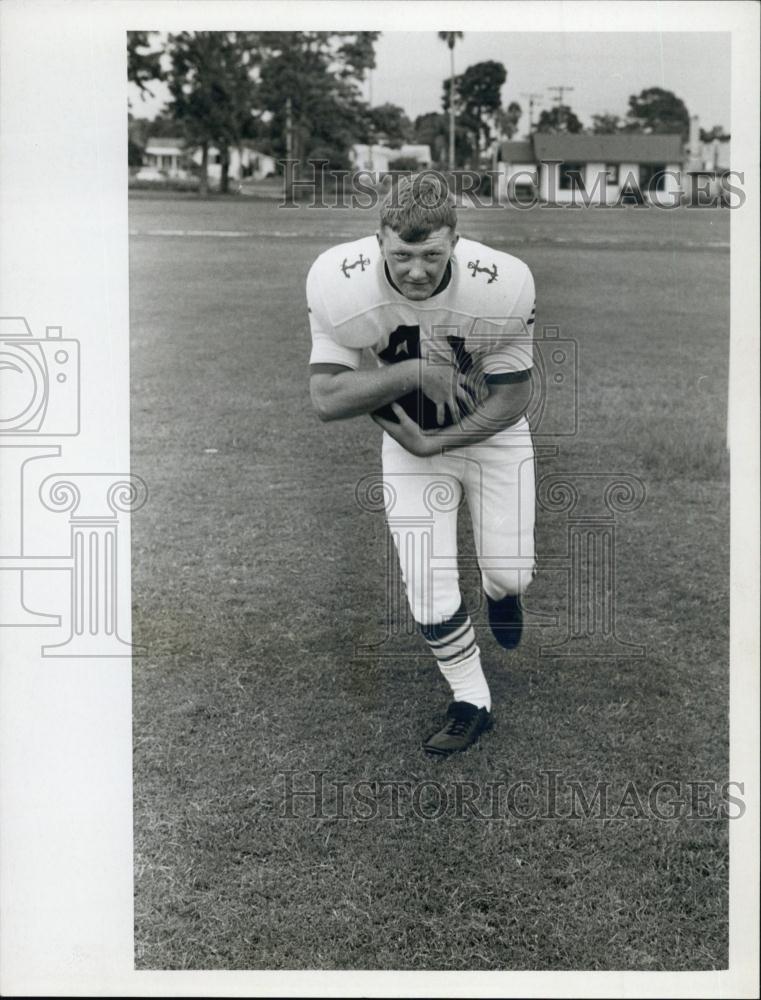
(488,281)
(349,278)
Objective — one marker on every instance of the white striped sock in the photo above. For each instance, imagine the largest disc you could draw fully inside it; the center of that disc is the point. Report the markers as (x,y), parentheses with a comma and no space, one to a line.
(467,680)
(453,643)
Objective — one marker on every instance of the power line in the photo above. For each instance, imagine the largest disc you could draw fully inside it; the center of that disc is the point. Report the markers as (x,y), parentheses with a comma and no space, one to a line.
(560,91)
(562,108)
(531,98)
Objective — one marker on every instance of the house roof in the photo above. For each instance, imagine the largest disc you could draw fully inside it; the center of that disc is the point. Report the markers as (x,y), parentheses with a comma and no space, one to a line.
(518,152)
(160,143)
(626,147)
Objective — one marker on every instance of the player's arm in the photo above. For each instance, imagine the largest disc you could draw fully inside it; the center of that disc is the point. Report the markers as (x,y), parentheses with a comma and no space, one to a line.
(339,392)
(507,374)
(507,400)
(338,386)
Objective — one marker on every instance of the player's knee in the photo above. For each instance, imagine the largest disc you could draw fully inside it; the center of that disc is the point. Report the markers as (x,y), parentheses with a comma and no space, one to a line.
(499,583)
(436,632)
(429,610)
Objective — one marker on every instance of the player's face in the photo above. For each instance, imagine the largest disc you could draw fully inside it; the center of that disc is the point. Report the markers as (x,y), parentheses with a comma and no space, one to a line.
(417,268)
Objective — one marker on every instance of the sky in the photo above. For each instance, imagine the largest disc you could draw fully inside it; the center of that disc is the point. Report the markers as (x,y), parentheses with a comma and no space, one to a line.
(603,69)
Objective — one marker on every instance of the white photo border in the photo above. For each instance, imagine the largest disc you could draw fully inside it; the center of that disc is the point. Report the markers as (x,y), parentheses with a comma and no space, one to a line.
(66,879)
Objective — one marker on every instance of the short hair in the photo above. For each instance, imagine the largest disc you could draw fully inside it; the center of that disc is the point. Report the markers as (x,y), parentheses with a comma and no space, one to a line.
(417,205)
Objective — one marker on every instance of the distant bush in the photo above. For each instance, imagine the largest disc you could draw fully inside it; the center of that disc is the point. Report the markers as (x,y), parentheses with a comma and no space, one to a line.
(404,163)
(335,159)
(170,184)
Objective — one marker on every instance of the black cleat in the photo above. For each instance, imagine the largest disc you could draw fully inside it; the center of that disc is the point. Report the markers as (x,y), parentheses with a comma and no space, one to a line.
(465,724)
(506,620)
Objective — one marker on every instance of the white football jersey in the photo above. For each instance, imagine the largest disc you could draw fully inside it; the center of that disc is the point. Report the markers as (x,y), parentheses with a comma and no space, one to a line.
(485,312)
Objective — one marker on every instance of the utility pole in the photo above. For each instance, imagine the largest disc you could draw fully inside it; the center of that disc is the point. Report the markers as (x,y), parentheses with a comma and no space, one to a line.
(531,98)
(559,100)
(370,102)
(289,170)
(561,91)
(451,107)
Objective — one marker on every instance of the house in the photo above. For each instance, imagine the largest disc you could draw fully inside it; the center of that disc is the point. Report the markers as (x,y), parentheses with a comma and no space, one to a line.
(592,169)
(705,156)
(715,156)
(377,157)
(706,163)
(167,156)
(246,162)
(175,160)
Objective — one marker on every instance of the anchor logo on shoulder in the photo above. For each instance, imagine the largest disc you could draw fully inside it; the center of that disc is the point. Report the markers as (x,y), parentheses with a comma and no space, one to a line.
(361,263)
(491,271)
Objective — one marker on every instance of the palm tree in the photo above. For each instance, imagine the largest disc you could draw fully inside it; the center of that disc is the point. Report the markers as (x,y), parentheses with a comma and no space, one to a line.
(450,37)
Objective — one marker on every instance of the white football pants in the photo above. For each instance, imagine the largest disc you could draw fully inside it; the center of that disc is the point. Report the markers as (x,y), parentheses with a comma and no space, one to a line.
(422,497)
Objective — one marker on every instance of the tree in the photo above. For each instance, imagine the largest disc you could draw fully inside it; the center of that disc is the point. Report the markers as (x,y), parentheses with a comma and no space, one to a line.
(389,123)
(607,124)
(717,132)
(479,91)
(212,92)
(136,140)
(506,121)
(143,66)
(656,110)
(226,87)
(559,119)
(433,130)
(162,126)
(320,72)
(451,38)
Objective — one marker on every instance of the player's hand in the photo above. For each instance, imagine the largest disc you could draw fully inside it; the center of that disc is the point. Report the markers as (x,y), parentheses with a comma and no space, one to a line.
(441,381)
(408,434)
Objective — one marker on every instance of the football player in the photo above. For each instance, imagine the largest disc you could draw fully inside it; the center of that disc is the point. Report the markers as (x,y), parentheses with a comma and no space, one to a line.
(449,322)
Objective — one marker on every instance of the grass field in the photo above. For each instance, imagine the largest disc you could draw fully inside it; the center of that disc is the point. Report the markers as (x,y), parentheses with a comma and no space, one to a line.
(255,575)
